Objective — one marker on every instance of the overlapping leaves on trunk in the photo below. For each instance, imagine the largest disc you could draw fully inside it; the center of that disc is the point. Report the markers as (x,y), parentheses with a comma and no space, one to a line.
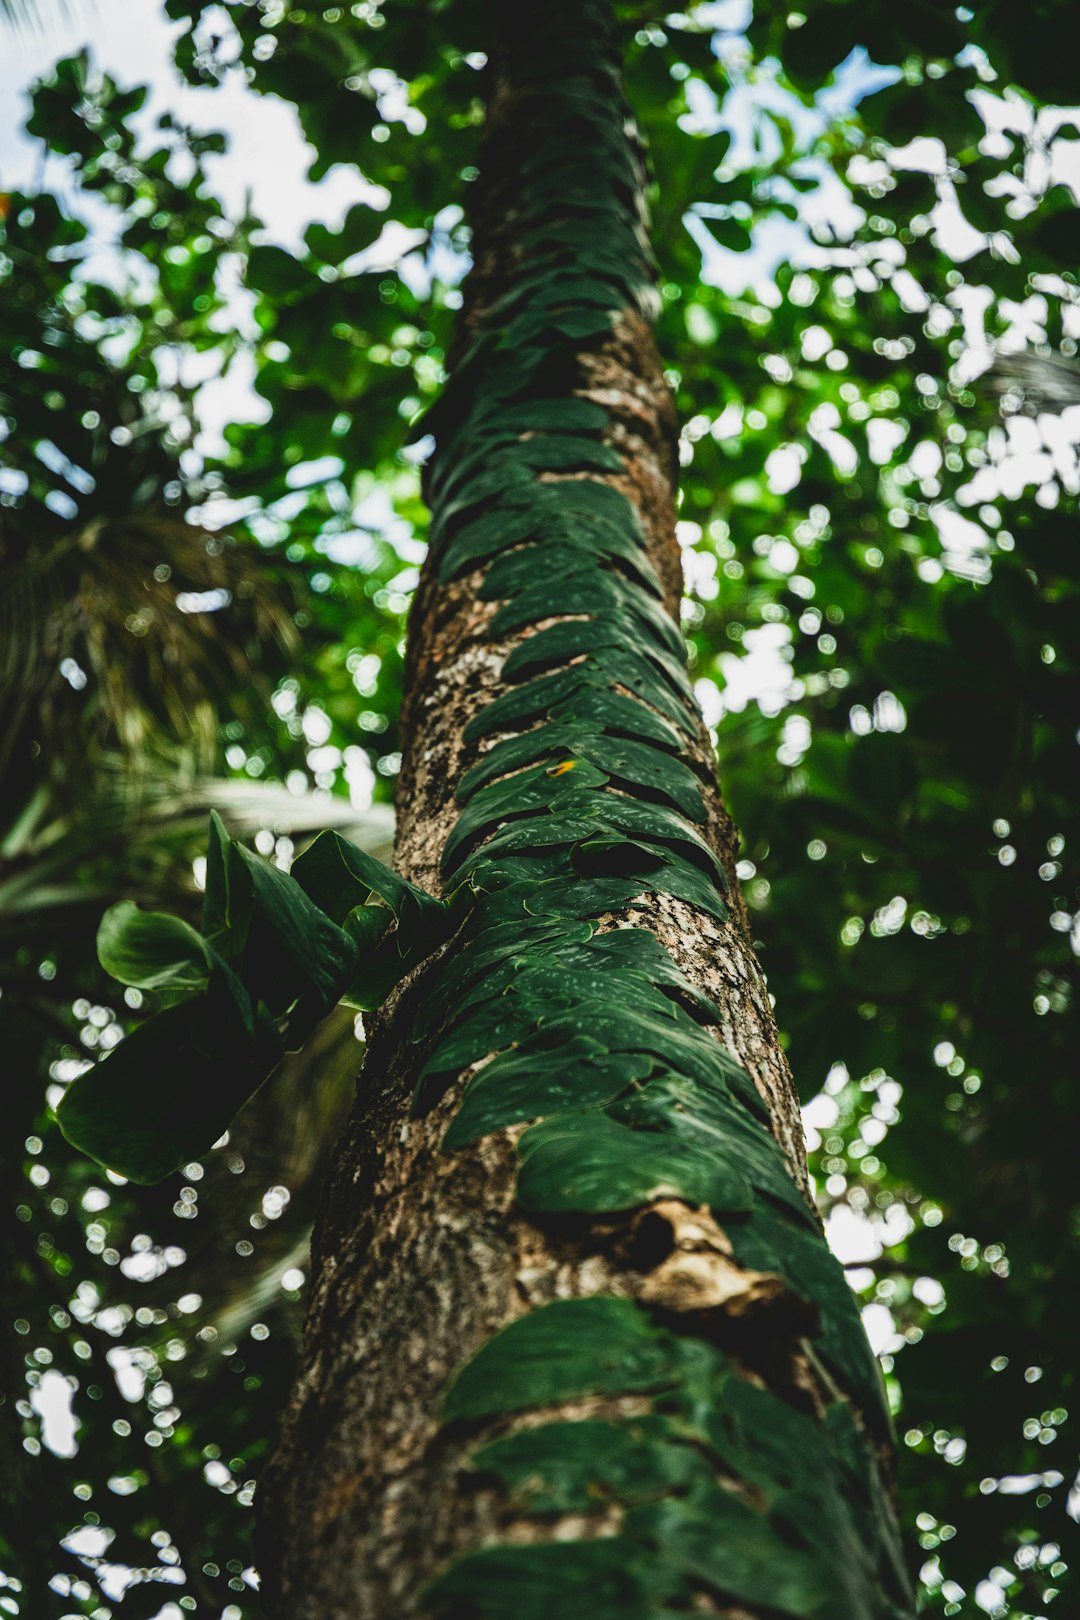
(572,1016)
(681,1530)
(579,809)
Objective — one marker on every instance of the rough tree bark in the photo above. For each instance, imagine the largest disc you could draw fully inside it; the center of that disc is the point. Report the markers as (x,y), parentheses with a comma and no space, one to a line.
(503,1289)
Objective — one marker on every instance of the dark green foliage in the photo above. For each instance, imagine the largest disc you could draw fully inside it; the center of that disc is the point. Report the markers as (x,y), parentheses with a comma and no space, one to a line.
(277,952)
(633,1099)
(533,1080)
(172,1087)
(576,1467)
(153,950)
(599,1577)
(798,1536)
(978,1151)
(601,1164)
(572,1347)
(825,34)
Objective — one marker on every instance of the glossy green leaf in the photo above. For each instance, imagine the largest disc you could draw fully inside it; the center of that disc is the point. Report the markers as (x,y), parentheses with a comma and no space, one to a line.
(592,1164)
(153,951)
(594,1577)
(167,1092)
(529,1082)
(574,1467)
(560,1351)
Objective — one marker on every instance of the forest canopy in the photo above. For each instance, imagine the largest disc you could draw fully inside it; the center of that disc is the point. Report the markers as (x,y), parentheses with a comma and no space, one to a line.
(865,221)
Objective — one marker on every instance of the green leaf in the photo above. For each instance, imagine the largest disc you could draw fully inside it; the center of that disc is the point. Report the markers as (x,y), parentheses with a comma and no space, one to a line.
(717,1539)
(575,1467)
(533,1081)
(528,702)
(562,415)
(591,1164)
(559,787)
(227,898)
(152,950)
(569,1348)
(294,956)
(711,1112)
(279,275)
(338,876)
(599,1578)
(361,227)
(595,1578)
(167,1092)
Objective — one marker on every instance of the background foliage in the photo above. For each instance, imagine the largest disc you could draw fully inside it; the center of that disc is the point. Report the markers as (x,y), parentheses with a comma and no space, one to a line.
(870,316)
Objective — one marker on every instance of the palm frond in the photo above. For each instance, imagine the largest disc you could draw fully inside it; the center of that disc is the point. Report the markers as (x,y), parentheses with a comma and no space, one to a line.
(137,842)
(120,633)
(20,13)
(26,16)
(251,806)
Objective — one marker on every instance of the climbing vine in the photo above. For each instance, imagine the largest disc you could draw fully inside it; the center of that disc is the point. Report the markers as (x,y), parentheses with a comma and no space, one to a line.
(580,809)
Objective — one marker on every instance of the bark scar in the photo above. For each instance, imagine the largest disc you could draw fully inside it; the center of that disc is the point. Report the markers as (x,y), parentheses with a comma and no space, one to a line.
(697,1273)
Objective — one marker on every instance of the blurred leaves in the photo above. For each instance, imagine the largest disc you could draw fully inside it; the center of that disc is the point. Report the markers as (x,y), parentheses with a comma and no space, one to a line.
(879,524)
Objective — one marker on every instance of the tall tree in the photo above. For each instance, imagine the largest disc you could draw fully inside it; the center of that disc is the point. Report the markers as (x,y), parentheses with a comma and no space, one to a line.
(834,432)
(575,1339)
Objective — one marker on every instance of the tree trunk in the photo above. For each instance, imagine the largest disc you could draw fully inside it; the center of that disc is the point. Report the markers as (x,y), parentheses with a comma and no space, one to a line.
(604,1363)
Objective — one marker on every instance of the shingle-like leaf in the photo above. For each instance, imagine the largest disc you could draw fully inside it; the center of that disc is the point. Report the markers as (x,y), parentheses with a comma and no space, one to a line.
(529,1082)
(592,1164)
(568,1348)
